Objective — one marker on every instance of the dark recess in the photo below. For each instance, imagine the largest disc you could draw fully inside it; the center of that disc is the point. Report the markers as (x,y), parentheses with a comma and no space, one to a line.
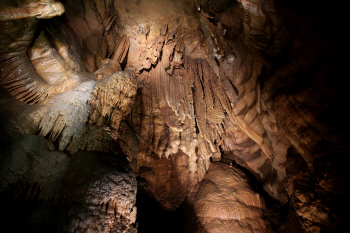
(153,218)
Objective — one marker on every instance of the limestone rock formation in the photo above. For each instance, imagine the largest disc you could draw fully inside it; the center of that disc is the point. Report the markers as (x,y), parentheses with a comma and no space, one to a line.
(174,87)
(86,192)
(225,202)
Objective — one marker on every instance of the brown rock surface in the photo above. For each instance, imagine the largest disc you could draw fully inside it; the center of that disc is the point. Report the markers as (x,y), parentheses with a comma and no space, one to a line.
(89,191)
(176,85)
(225,202)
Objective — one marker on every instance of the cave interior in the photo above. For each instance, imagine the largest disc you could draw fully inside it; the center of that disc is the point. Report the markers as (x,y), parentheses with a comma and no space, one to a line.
(173,116)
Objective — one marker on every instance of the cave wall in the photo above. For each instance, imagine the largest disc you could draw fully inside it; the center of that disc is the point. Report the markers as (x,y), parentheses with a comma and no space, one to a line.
(252,82)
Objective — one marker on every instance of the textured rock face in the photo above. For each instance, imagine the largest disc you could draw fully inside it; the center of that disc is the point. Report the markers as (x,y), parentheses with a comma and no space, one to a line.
(225,202)
(76,109)
(88,192)
(38,67)
(254,81)
(168,181)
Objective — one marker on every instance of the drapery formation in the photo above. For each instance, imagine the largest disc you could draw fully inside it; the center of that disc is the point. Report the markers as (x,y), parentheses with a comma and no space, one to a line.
(250,82)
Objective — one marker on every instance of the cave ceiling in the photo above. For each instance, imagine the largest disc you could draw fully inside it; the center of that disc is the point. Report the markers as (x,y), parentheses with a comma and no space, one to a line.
(167,89)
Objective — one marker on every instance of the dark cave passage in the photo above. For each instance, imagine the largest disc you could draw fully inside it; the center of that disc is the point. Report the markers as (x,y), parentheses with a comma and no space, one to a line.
(152,217)
(25,215)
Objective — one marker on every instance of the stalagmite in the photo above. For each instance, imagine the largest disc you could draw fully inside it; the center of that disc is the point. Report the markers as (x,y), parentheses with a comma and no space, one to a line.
(211,105)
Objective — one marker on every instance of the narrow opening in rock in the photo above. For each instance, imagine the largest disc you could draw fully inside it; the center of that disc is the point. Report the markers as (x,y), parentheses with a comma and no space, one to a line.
(153,218)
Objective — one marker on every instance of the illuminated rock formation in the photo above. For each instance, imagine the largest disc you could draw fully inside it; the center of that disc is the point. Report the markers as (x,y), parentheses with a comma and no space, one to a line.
(225,202)
(175,87)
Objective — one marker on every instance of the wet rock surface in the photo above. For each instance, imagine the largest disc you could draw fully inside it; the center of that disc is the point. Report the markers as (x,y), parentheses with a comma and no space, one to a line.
(174,87)
(225,202)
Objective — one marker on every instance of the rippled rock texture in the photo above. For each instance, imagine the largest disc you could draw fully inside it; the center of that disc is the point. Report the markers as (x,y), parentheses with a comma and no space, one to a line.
(225,202)
(175,86)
